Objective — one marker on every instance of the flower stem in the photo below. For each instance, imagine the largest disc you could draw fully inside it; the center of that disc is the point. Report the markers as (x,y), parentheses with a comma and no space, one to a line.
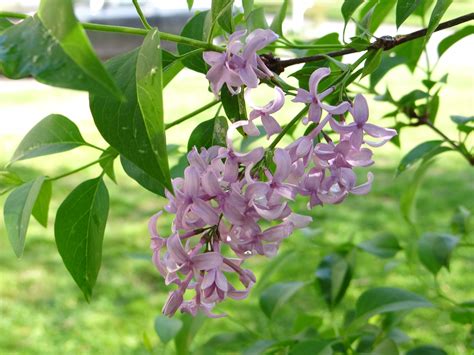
(141,15)
(131,31)
(54,178)
(288,126)
(456,147)
(192,114)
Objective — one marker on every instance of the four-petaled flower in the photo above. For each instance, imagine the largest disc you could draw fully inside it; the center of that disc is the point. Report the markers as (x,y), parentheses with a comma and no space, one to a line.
(314,98)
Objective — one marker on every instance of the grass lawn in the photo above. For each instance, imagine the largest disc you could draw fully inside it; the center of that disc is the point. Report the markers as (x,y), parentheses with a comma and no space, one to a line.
(43,312)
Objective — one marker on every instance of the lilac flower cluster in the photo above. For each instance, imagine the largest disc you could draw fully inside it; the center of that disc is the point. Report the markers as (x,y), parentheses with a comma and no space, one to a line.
(239,64)
(230,206)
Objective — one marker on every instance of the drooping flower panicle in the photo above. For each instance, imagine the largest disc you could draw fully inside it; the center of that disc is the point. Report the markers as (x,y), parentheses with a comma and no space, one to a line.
(225,196)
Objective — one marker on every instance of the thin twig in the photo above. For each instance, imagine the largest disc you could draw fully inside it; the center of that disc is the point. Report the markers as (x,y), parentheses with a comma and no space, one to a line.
(192,114)
(141,15)
(385,42)
(165,36)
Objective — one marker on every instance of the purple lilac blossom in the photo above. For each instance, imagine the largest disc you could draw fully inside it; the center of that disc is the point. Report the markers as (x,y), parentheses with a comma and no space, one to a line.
(240,64)
(225,196)
(270,124)
(315,99)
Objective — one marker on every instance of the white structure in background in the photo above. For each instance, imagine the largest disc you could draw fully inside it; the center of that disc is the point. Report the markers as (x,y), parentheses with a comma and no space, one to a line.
(96,5)
(299,7)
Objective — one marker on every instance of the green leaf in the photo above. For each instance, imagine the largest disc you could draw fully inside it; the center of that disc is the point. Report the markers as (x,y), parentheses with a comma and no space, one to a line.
(386,299)
(359,44)
(79,231)
(372,62)
(413,96)
(167,328)
(274,297)
(423,8)
(348,8)
(150,100)
(438,12)
(404,9)
(451,40)
(221,11)
(29,49)
(408,198)
(198,28)
(4,24)
(256,19)
(463,313)
(41,207)
(386,347)
(107,159)
(58,18)
(234,106)
(418,153)
(365,19)
(259,347)
(141,177)
(185,336)
(410,52)
(304,321)
(304,74)
(277,23)
(53,134)
(384,246)
(17,211)
(209,133)
(381,10)
(9,180)
(225,343)
(172,65)
(121,123)
(248,7)
(314,347)
(462,120)
(426,350)
(190,4)
(333,276)
(433,106)
(434,250)
(460,221)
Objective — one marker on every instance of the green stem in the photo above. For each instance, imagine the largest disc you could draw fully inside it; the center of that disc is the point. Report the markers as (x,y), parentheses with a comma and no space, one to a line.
(190,53)
(141,15)
(288,126)
(308,46)
(440,293)
(94,146)
(464,153)
(132,31)
(54,178)
(192,114)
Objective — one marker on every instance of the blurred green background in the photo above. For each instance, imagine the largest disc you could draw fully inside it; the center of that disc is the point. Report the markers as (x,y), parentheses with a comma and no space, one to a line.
(42,311)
